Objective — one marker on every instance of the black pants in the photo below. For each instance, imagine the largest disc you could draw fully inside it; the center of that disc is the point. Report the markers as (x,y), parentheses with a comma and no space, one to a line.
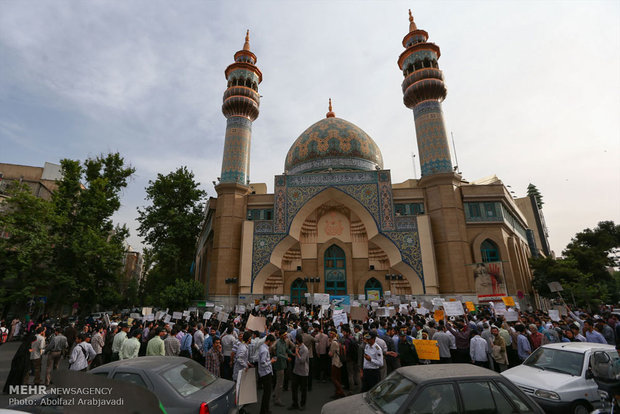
(324,364)
(266,382)
(370,379)
(445,360)
(226,369)
(299,382)
(115,356)
(484,364)
(462,356)
(97,361)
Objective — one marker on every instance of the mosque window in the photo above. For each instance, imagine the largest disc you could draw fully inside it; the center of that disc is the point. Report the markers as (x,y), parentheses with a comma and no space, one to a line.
(474,209)
(489,251)
(335,271)
(490,210)
(260,214)
(409,209)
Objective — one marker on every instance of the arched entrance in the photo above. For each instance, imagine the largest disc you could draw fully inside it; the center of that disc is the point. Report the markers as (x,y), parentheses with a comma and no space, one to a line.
(373,284)
(298,290)
(489,251)
(335,271)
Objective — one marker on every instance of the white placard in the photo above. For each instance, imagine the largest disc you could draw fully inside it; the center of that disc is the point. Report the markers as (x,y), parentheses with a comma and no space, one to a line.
(421,311)
(222,316)
(385,312)
(177,315)
(402,309)
(453,308)
(321,298)
(437,301)
(134,315)
(511,315)
(147,311)
(185,313)
(500,308)
(240,309)
(187,318)
(207,315)
(192,309)
(340,318)
(554,314)
(361,297)
(387,293)
(167,319)
(149,317)
(414,304)
(246,387)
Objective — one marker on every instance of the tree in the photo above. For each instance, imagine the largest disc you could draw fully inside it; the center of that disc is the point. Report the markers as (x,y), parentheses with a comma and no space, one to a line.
(533,191)
(170,226)
(90,248)
(26,249)
(180,294)
(584,271)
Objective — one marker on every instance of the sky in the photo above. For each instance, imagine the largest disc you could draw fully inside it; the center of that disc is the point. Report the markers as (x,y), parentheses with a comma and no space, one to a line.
(533,89)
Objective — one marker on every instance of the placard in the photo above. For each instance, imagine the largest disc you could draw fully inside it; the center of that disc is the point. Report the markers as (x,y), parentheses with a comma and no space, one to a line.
(414,304)
(426,349)
(177,315)
(402,309)
(454,308)
(246,387)
(511,315)
(359,314)
(438,315)
(146,311)
(207,315)
(373,294)
(361,297)
(167,319)
(500,308)
(149,317)
(192,309)
(470,306)
(421,311)
(383,312)
(340,318)
(240,309)
(321,298)
(508,300)
(134,315)
(217,309)
(256,323)
(554,314)
(222,316)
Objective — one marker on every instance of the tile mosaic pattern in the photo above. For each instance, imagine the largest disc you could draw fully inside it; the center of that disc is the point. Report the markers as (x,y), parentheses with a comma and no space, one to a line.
(432,139)
(236,160)
(333,138)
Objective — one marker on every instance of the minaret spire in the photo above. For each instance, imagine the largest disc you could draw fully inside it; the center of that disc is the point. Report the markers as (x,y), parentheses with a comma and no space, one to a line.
(331,113)
(240,107)
(246,45)
(423,91)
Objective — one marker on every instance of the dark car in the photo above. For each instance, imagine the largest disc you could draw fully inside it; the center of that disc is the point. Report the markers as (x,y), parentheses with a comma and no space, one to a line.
(181,384)
(441,388)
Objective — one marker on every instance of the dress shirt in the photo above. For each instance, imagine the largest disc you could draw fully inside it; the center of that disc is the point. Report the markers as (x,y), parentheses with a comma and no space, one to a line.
(444,342)
(322,343)
(213,360)
(228,341)
(81,354)
(302,367)
(241,359)
(478,349)
(119,338)
(155,346)
(38,347)
(186,343)
(58,343)
(172,346)
(97,342)
(130,349)
(595,337)
(376,356)
(523,347)
(264,361)
(199,339)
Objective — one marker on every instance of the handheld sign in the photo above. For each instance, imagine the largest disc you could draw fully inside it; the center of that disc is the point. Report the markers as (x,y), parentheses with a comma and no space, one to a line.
(454,308)
(426,349)
(508,300)
(470,306)
(177,315)
(438,315)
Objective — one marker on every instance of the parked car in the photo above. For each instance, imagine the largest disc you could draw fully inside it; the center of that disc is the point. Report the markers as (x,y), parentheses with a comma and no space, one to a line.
(181,384)
(441,388)
(558,378)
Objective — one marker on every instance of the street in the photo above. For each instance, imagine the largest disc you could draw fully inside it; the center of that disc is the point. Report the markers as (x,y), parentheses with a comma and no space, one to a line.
(315,400)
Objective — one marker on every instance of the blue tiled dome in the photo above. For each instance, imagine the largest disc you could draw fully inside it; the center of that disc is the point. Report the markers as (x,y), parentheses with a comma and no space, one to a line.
(333,143)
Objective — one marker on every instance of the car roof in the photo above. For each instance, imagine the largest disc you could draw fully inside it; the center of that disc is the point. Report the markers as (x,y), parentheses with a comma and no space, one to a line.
(581,347)
(148,363)
(423,373)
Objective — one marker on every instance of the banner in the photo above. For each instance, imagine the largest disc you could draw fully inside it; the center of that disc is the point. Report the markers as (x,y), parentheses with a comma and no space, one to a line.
(454,308)
(489,280)
(340,318)
(426,349)
(321,299)
(339,300)
(373,294)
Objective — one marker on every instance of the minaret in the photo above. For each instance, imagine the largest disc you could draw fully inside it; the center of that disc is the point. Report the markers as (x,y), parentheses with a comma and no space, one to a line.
(240,107)
(423,91)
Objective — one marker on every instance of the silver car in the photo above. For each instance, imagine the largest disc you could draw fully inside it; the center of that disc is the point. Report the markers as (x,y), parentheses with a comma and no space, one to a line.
(181,384)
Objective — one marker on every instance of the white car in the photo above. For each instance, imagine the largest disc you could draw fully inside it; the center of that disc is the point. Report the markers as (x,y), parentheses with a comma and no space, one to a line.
(558,377)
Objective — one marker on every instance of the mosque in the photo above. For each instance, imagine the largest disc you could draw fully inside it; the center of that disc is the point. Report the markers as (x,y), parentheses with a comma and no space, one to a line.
(337,224)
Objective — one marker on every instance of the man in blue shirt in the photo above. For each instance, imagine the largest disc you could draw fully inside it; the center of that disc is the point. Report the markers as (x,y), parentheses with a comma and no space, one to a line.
(186,343)
(523,345)
(265,372)
(593,335)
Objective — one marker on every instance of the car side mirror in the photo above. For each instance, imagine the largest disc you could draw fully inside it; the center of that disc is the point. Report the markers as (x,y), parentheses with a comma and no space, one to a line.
(589,374)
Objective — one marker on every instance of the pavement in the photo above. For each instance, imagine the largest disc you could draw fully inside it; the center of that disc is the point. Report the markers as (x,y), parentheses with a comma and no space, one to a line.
(316,398)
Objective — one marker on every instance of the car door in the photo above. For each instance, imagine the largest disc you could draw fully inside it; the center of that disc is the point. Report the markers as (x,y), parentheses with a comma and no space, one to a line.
(485,396)
(134,376)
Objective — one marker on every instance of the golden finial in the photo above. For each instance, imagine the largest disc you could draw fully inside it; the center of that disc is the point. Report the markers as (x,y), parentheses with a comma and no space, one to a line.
(331,113)
(412,25)
(246,45)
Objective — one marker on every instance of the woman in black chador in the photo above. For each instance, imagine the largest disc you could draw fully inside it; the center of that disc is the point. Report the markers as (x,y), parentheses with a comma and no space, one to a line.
(20,364)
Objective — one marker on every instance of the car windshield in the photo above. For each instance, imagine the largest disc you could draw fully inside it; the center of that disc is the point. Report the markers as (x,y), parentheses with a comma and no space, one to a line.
(556,360)
(188,378)
(391,393)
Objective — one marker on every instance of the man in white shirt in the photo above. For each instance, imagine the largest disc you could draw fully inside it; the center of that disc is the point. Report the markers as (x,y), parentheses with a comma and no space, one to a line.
(199,339)
(373,361)
(479,350)
(82,353)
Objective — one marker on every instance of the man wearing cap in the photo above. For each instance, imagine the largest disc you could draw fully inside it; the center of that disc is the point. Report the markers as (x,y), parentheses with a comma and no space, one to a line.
(373,361)
(131,346)
(406,350)
(119,338)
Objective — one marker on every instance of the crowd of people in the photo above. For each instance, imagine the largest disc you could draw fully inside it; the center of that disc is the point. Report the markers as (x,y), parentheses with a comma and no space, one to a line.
(302,345)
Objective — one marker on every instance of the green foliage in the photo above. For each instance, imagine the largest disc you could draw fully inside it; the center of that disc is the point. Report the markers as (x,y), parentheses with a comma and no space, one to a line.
(584,272)
(532,190)
(180,294)
(67,249)
(170,226)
